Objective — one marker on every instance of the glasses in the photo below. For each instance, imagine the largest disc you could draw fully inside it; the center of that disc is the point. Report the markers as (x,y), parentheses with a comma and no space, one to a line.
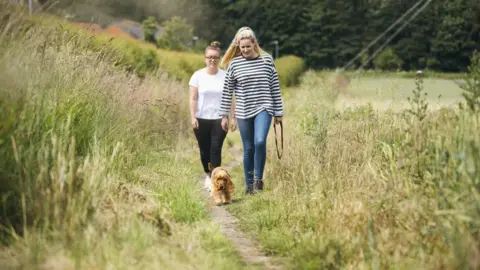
(212,57)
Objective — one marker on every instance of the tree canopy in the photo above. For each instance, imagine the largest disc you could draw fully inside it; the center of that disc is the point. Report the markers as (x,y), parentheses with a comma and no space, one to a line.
(327,33)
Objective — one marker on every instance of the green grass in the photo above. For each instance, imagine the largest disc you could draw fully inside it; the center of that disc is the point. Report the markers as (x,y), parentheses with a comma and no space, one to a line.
(100,170)
(401,88)
(360,187)
(97,168)
(376,73)
(383,92)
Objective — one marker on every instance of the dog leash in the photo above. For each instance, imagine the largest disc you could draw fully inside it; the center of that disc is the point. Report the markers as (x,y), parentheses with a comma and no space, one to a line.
(281,138)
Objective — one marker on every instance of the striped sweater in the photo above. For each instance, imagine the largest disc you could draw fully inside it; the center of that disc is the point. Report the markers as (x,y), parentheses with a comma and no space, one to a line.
(256,86)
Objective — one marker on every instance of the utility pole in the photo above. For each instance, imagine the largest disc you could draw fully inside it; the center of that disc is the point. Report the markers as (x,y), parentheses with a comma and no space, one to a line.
(275,42)
(194,41)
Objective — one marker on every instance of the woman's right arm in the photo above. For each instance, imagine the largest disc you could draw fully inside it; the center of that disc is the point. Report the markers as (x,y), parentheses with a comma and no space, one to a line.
(227,93)
(227,96)
(193,105)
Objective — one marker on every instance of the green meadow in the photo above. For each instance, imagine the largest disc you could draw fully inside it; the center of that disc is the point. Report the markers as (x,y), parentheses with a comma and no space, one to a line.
(100,168)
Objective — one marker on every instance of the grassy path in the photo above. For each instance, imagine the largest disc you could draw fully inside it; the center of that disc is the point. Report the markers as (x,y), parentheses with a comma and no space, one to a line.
(248,249)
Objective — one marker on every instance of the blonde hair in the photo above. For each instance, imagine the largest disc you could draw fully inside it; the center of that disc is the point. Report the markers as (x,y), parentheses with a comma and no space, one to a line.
(234,49)
(215,45)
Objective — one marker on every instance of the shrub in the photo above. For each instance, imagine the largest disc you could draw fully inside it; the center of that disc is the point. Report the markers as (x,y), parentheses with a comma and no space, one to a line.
(472,84)
(289,69)
(177,35)
(388,60)
(149,28)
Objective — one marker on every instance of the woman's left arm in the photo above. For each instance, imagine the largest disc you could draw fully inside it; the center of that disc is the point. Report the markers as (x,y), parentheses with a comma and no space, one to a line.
(276,95)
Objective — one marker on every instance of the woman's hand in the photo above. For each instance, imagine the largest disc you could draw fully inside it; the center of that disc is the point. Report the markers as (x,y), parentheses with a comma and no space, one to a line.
(278,120)
(195,123)
(233,126)
(225,123)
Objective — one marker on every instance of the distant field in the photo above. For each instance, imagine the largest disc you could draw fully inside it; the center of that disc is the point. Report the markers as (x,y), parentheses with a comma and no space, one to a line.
(385,92)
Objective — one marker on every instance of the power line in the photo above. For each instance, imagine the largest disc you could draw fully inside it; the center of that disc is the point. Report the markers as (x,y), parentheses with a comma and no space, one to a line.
(381,35)
(394,34)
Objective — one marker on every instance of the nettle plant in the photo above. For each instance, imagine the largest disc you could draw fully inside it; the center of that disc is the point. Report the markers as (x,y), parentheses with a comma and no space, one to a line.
(416,133)
(418,103)
(472,85)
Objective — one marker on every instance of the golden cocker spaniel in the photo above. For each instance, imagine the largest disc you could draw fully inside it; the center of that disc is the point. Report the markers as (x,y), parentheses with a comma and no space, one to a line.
(223,186)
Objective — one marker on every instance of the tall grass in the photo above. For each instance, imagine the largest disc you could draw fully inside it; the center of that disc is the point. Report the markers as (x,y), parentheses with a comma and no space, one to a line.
(96,163)
(362,189)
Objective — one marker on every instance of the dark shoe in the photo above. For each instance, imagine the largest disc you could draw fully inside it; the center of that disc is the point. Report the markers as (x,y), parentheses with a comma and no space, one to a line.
(250,190)
(258,184)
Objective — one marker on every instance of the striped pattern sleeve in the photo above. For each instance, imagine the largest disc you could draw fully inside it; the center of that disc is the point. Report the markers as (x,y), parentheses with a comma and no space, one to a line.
(275,88)
(227,93)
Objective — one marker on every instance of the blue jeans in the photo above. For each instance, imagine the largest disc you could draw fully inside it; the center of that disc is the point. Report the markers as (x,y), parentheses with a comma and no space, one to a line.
(254,133)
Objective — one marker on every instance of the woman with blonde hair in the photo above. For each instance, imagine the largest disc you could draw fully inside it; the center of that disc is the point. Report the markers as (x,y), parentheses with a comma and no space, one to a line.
(252,77)
(206,87)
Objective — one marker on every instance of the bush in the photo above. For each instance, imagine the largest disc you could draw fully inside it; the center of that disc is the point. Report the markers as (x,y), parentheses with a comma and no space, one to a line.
(142,58)
(472,84)
(177,35)
(433,63)
(181,65)
(131,55)
(388,60)
(149,28)
(289,69)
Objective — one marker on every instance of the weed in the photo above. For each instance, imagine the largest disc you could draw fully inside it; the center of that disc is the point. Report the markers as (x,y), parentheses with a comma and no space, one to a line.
(96,167)
(472,84)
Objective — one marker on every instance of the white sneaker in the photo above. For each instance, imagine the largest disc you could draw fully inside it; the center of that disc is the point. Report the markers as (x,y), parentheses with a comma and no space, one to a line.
(208,183)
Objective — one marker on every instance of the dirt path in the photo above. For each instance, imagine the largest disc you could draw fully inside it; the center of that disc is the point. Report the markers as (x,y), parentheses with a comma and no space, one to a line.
(248,250)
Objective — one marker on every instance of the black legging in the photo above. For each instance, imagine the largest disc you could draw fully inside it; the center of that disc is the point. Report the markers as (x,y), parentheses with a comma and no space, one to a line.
(210,137)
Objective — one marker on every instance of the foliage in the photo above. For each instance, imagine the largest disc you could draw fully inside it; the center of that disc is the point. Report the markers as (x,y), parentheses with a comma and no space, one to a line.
(472,84)
(149,27)
(142,58)
(364,188)
(388,60)
(89,168)
(177,35)
(328,34)
(289,69)
(418,102)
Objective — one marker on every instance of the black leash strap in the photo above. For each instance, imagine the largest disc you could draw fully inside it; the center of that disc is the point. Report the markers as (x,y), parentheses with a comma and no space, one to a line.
(281,138)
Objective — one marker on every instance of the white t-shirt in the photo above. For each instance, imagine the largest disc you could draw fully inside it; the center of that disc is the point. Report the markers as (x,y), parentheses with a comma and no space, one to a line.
(210,89)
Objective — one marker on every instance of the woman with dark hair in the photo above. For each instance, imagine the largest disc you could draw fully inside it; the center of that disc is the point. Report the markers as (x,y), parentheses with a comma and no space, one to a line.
(206,87)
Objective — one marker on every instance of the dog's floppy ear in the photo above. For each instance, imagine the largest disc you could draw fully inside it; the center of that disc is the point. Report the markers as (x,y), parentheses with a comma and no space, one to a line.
(215,183)
(230,185)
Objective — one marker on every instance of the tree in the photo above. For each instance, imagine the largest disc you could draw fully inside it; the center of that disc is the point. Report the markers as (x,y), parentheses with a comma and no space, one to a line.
(388,60)
(177,34)
(149,27)
(453,41)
